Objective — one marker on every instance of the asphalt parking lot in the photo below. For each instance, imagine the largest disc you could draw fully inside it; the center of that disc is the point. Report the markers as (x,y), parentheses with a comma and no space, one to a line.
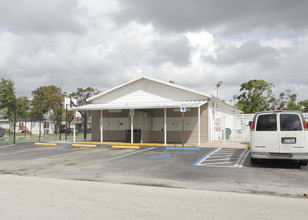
(201,168)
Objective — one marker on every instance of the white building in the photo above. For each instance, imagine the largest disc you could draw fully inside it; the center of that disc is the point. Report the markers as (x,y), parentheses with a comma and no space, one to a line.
(151,110)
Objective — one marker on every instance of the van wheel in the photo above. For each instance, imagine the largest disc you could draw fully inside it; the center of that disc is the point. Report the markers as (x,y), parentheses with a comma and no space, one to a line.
(254,160)
(303,162)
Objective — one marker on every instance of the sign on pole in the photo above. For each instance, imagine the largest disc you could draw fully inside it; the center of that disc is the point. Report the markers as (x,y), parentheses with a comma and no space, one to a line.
(77,115)
(67,103)
(183,109)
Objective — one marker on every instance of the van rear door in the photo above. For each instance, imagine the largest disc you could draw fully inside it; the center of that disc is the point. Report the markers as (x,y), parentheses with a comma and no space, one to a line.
(291,135)
(265,137)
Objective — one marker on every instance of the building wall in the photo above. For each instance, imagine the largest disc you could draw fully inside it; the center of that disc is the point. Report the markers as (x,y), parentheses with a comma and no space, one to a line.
(114,125)
(151,123)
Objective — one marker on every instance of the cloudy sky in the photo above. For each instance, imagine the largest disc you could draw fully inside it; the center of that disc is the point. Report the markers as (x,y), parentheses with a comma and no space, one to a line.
(104,43)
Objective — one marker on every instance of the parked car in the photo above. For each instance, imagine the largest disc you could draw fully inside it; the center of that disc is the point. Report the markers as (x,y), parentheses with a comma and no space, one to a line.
(279,135)
(67,131)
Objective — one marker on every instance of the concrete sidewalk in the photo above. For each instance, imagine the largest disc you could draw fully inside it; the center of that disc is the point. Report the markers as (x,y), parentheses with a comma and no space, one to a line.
(225,144)
(213,144)
(43,198)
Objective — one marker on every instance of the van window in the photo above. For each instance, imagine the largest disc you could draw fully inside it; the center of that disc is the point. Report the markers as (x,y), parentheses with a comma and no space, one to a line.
(267,122)
(290,122)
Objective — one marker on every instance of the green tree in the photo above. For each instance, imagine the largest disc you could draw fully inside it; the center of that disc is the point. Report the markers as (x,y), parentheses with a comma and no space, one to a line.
(83,94)
(286,101)
(7,97)
(256,96)
(303,105)
(47,99)
(23,107)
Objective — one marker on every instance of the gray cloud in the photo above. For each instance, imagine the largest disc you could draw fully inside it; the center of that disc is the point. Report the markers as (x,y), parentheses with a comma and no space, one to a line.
(233,16)
(41,16)
(174,49)
(250,52)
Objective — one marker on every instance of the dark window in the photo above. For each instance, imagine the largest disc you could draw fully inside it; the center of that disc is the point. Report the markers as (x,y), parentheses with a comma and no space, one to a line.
(267,122)
(290,122)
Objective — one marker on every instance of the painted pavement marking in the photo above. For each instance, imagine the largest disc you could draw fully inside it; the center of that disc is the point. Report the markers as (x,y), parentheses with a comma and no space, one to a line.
(223,157)
(130,154)
(161,156)
(7,146)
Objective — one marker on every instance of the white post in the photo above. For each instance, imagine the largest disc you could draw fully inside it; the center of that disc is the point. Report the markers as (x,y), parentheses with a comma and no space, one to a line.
(74,136)
(101,125)
(199,127)
(165,127)
(132,126)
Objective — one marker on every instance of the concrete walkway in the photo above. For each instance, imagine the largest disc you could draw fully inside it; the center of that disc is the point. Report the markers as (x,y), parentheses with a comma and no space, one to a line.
(225,144)
(43,198)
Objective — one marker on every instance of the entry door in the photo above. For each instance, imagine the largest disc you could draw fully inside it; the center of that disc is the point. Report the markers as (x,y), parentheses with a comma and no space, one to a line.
(292,136)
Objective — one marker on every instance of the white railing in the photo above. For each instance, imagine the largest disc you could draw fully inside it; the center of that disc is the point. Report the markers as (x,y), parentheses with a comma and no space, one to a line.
(233,127)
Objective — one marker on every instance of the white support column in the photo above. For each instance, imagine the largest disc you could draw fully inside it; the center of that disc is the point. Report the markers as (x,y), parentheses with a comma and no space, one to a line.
(132,126)
(199,126)
(102,127)
(165,127)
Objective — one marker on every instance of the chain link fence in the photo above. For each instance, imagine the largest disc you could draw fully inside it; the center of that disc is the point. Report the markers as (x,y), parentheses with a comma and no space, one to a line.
(28,121)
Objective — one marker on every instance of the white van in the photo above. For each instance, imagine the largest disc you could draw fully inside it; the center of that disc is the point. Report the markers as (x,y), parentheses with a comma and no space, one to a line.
(279,135)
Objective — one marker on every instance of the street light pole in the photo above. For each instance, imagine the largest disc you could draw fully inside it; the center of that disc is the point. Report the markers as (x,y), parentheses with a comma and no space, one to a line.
(217,85)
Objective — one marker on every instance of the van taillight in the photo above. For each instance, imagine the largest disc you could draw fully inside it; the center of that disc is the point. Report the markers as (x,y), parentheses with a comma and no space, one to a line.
(253,125)
(305,125)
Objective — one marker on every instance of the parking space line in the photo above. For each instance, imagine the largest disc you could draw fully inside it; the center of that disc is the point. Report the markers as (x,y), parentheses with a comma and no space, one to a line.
(126,155)
(237,163)
(16,152)
(244,159)
(7,146)
(206,156)
(66,153)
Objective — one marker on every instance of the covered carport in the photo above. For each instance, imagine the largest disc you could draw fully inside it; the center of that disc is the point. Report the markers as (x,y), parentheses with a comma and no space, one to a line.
(174,120)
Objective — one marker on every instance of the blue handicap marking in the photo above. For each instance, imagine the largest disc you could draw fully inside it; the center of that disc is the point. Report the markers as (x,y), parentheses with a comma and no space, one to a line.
(161,156)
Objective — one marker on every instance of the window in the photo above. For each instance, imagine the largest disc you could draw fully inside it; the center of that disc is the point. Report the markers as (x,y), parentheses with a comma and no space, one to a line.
(267,122)
(290,122)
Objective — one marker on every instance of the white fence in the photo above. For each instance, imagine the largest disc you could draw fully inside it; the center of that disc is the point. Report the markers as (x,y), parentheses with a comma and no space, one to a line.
(233,127)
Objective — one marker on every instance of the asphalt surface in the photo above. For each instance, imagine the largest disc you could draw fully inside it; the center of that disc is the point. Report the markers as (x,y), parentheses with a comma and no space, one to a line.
(218,169)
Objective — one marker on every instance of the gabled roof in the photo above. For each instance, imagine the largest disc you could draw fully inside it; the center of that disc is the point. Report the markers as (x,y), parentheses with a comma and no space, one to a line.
(171,85)
(146,93)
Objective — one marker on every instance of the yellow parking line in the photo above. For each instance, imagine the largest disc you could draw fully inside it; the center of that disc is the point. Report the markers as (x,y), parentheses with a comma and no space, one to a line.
(137,144)
(48,144)
(128,147)
(84,145)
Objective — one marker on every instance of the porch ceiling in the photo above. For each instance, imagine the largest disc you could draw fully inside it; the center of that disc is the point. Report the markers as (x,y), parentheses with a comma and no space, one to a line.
(141,105)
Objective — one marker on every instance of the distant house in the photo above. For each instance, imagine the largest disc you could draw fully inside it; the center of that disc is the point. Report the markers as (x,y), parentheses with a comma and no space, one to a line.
(34,127)
(154,111)
(4,123)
